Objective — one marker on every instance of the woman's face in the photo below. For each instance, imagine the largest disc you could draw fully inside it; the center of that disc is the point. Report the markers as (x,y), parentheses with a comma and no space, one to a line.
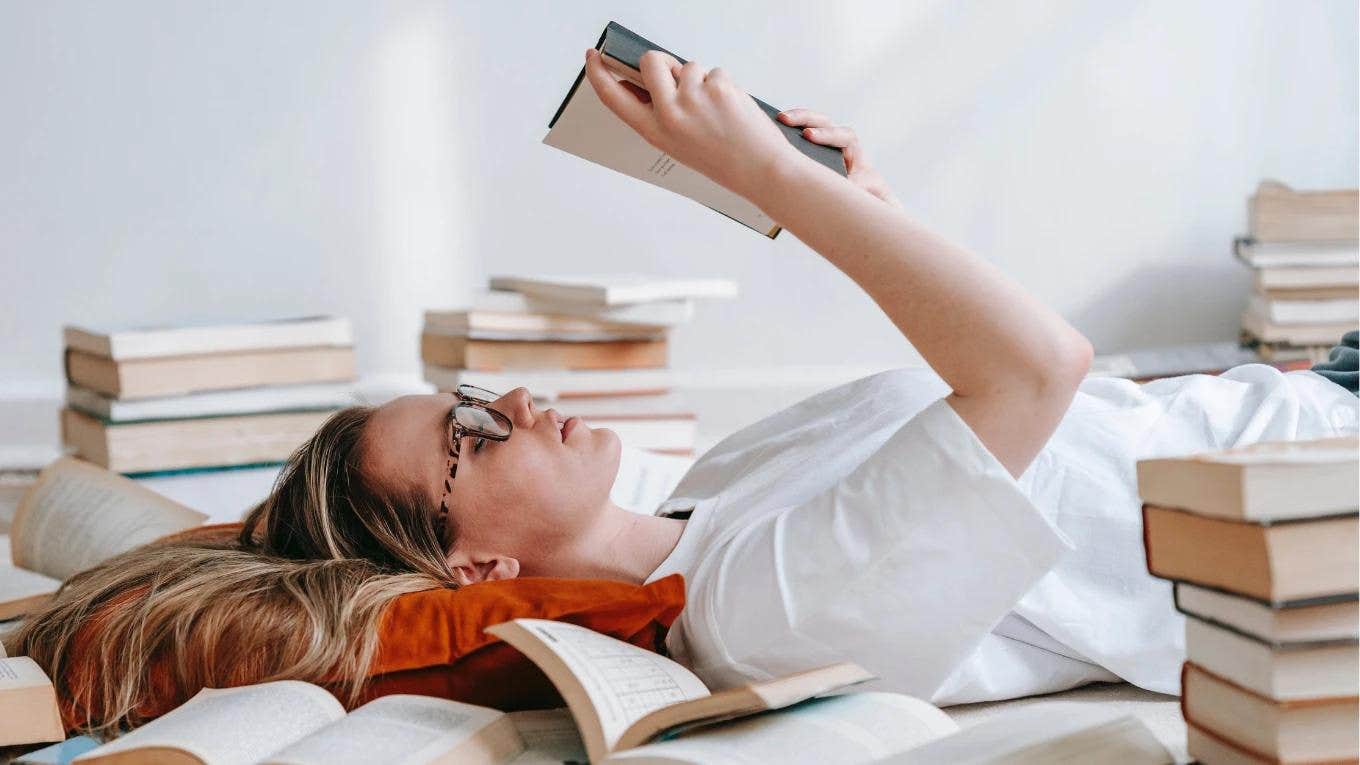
(522,497)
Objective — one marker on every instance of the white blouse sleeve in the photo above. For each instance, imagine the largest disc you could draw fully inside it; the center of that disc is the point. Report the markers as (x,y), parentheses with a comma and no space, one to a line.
(903,567)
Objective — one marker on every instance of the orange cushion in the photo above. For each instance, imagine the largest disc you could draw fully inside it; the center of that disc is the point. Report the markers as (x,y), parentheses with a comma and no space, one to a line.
(432,642)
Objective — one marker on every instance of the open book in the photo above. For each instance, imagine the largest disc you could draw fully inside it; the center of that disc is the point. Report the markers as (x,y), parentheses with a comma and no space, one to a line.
(584,126)
(76,516)
(627,705)
(28,703)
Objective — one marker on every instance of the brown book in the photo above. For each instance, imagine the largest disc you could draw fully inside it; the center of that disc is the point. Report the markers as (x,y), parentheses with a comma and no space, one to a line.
(1272,480)
(76,516)
(178,375)
(1299,731)
(1283,562)
(495,355)
(1310,293)
(28,704)
(1280,214)
(141,447)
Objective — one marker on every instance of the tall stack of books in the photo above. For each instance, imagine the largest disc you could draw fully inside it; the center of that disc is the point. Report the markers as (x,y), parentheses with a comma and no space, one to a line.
(187,398)
(1261,543)
(592,347)
(1304,247)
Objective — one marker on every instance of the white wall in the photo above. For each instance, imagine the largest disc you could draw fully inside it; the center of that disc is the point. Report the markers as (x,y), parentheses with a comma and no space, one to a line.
(165,162)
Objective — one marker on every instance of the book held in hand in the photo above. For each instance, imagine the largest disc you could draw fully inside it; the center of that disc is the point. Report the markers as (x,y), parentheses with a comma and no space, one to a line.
(584,126)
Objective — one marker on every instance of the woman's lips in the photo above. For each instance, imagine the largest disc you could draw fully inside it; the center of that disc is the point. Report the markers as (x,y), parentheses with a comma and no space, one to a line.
(569,426)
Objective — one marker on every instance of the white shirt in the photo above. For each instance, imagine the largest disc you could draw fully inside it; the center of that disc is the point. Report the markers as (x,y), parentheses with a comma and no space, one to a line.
(869,524)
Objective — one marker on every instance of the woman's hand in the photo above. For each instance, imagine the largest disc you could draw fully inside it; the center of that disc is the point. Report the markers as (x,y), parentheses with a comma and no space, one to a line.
(819,128)
(700,118)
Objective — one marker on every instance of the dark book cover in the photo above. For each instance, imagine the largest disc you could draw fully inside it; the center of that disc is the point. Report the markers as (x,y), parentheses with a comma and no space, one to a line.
(618,42)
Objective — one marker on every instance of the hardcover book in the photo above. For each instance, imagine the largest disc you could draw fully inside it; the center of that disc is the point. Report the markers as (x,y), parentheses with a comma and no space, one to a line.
(584,126)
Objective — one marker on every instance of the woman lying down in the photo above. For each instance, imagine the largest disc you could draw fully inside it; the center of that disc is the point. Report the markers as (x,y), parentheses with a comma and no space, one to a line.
(966,533)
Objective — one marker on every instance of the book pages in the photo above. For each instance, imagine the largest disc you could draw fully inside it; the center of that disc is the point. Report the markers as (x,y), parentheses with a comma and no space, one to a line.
(402,730)
(79,515)
(233,726)
(622,682)
(860,727)
(1069,732)
(20,586)
(550,737)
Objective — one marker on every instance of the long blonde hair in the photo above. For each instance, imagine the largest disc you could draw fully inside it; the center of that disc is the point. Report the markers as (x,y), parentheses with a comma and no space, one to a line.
(296,595)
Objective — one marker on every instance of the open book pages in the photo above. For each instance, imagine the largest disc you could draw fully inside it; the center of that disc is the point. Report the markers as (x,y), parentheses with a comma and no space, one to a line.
(408,730)
(1071,733)
(623,696)
(79,515)
(226,726)
(608,684)
(855,728)
(28,704)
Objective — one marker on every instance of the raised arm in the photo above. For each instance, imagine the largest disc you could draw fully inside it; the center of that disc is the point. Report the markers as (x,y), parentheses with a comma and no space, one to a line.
(1012,363)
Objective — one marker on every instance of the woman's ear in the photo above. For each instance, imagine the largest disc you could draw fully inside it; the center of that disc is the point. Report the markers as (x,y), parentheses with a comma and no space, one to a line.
(473,568)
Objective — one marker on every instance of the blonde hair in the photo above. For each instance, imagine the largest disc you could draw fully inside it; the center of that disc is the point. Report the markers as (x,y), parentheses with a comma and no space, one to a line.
(297,595)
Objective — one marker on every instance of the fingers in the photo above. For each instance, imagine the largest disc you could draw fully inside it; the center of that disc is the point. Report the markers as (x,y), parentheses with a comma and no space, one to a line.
(659,71)
(838,136)
(691,77)
(804,118)
(619,99)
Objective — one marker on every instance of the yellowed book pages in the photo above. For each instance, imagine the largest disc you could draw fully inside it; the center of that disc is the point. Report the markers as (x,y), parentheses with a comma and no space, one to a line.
(78,515)
(28,704)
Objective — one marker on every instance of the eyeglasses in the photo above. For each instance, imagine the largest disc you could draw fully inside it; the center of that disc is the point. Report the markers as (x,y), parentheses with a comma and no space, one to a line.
(471,417)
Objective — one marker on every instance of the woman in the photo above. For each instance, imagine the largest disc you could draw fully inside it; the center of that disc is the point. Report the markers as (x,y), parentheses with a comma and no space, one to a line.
(966,533)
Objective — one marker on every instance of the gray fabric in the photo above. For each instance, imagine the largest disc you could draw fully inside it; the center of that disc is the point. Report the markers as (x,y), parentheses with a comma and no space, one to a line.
(1343,364)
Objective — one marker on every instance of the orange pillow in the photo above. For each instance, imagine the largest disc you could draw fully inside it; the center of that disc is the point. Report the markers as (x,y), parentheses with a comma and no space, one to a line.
(432,642)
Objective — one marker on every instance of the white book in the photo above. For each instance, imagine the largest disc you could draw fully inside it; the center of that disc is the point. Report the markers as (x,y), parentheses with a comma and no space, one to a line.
(1307,277)
(1325,311)
(602,290)
(551,384)
(269,398)
(1337,619)
(1317,254)
(1280,671)
(150,342)
(657,313)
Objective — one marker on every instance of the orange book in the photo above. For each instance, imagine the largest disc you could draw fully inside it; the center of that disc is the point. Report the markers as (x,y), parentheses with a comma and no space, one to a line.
(495,355)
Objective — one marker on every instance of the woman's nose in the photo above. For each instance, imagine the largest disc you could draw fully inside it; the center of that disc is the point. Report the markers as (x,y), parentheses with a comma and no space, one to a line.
(518,405)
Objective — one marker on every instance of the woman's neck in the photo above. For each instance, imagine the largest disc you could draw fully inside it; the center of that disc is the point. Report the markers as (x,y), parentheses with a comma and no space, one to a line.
(621,546)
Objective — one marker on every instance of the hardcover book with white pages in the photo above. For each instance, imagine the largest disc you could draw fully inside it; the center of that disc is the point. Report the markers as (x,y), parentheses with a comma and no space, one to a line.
(151,342)
(1283,671)
(318,397)
(652,314)
(1279,310)
(1316,254)
(1332,619)
(607,290)
(627,705)
(584,126)
(76,516)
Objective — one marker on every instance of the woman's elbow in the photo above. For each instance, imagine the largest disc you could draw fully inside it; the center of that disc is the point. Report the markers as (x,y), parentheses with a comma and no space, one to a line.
(1071,361)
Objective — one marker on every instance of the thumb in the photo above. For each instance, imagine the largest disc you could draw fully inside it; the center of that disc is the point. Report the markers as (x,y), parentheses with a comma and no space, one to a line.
(621,101)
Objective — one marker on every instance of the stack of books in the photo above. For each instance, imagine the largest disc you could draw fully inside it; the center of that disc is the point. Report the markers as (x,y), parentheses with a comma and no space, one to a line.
(1261,543)
(187,398)
(592,347)
(1304,248)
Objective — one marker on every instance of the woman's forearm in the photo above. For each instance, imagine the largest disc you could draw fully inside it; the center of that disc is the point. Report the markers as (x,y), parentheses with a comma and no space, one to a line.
(1012,362)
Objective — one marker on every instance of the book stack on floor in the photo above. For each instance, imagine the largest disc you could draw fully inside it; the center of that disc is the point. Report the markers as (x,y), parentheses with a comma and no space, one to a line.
(1261,543)
(592,347)
(190,398)
(1304,250)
